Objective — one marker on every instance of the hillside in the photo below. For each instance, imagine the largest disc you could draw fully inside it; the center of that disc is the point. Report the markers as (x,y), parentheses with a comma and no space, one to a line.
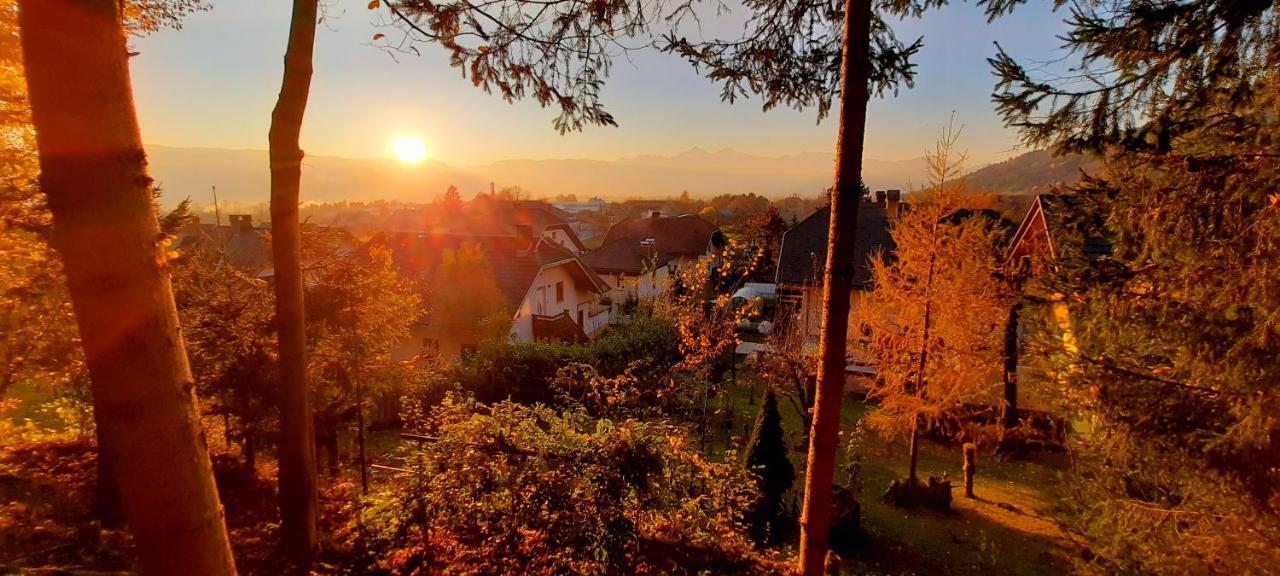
(1031,173)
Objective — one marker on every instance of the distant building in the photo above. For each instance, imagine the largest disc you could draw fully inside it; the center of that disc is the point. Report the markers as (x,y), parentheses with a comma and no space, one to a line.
(244,245)
(640,254)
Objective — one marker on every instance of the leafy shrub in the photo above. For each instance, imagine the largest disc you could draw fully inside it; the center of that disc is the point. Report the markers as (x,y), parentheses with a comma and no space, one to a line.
(523,372)
(514,489)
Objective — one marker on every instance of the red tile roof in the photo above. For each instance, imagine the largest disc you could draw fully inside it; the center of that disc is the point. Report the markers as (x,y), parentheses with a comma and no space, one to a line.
(686,235)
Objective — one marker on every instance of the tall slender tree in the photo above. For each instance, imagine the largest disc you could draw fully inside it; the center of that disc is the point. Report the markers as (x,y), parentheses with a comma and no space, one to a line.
(298,499)
(846,194)
(93,172)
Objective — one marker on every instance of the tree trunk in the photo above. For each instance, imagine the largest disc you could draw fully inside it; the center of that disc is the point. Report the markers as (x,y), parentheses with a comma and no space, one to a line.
(838,278)
(106,495)
(93,170)
(250,449)
(1009,417)
(298,500)
(970,468)
(913,453)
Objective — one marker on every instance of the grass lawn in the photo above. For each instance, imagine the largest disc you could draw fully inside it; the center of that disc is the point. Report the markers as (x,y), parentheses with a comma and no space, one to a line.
(1005,530)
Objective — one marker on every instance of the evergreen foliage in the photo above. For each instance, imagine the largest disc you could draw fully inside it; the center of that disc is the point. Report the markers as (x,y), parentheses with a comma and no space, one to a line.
(767,455)
(1175,322)
(767,459)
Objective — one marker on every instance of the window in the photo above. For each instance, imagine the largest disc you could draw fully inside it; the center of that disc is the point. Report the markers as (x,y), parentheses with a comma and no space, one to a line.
(559,291)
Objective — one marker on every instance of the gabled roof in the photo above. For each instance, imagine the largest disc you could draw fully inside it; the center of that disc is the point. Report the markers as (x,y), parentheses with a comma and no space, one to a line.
(514,264)
(243,247)
(804,246)
(1047,223)
(686,235)
(624,256)
(417,254)
(551,254)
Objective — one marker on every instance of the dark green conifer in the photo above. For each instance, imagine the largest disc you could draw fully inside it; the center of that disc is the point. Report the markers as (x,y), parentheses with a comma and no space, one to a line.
(767,459)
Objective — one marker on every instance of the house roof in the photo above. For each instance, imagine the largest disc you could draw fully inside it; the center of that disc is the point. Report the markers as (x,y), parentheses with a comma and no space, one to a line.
(514,264)
(685,235)
(1004,226)
(804,246)
(1049,217)
(624,256)
(243,246)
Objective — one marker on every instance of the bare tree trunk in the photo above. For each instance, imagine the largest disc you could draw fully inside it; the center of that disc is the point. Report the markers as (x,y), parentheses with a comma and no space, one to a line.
(93,170)
(970,467)
(913,453)
(1009,417)
(298,501)
(106,495)
(838,278)
(250,449)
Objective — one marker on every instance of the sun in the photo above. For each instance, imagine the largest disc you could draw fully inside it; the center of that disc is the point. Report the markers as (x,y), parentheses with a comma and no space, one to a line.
(409,149)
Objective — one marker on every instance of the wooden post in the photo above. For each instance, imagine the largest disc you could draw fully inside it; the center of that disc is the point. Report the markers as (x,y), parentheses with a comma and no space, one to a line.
(970,468)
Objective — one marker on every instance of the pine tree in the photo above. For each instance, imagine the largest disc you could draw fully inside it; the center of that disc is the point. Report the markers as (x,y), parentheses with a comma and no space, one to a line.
(767,458)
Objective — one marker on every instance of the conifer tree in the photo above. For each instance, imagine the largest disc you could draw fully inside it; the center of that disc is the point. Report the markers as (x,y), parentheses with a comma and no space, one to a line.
(767,458)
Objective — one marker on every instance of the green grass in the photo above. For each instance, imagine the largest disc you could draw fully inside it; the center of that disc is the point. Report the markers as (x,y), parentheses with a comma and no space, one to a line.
(1007,529)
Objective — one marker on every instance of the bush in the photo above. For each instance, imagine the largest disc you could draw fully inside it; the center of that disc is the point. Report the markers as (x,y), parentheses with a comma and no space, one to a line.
(513,489)
(523,372)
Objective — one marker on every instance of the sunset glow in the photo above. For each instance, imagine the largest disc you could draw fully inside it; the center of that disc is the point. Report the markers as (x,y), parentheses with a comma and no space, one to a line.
(409,149)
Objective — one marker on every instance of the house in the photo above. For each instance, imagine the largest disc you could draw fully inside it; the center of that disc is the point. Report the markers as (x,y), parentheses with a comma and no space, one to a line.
(241,243)
(804,254)
(533,259)
(640,253)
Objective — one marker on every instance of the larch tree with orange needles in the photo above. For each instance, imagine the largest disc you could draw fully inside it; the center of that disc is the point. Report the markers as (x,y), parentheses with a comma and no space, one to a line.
(936,314)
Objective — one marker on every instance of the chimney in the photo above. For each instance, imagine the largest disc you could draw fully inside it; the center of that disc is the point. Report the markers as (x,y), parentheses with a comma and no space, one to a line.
(493,190)
(894,204)
(241,223)
(880,196)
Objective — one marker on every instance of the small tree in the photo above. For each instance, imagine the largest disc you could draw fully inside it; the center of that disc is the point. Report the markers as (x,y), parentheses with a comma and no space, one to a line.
(767,459)
(937,311)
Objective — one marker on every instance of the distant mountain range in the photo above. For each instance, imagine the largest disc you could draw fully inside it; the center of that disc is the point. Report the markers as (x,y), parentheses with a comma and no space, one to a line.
(241,176)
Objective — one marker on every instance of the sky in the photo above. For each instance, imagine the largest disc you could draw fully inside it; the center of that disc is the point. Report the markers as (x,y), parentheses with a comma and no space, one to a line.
(214,83)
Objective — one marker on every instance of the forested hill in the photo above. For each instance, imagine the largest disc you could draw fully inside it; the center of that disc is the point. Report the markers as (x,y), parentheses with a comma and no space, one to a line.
(1032,172)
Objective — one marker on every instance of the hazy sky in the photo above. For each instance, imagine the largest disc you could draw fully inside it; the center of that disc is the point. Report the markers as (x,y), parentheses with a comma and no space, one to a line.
(214,84)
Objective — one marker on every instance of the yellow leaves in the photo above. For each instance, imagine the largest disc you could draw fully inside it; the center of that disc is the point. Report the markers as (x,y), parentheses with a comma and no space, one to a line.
(374,4)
